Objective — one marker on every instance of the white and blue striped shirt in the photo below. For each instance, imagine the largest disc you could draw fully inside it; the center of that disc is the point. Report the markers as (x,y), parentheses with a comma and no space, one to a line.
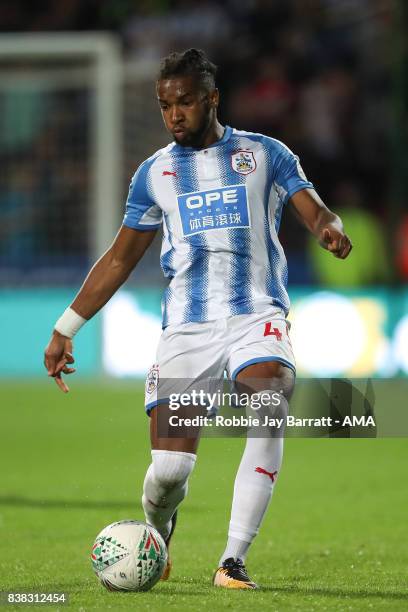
(221,208)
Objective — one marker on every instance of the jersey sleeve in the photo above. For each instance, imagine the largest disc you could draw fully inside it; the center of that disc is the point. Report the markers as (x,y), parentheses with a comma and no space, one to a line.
(142,213)
(288,174)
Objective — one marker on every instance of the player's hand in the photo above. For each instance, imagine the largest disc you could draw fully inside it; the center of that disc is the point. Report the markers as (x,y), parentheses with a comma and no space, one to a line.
(57,356)
(335,241)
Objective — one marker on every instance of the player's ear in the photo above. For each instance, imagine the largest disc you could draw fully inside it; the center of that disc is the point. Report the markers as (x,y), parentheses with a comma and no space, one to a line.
(214,98)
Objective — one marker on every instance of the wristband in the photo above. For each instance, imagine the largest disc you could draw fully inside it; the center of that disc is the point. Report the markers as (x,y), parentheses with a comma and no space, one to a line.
(69,323)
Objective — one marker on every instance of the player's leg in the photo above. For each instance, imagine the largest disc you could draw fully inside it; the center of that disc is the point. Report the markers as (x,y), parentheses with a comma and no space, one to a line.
(166,482)
(256,476)
(261,361)
(187,354)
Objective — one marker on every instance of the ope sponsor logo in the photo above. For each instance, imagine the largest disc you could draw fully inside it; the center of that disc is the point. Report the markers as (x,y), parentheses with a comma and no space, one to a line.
(222,208)
(227,196)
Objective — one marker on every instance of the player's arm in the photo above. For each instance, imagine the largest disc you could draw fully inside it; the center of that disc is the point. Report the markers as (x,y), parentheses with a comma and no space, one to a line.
(321,222)
(111,270)
(104,279)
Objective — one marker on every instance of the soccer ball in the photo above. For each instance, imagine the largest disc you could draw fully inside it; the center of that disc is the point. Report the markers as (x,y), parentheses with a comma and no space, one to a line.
(129,556)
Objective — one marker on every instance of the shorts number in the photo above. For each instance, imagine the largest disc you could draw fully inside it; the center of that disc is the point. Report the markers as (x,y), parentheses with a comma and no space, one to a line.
(272,331)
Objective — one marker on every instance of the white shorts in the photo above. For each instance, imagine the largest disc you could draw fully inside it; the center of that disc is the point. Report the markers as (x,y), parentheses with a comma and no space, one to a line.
(207,350)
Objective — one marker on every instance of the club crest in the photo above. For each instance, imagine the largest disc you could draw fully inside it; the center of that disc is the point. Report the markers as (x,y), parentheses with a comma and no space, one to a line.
(152,379)
(243,162)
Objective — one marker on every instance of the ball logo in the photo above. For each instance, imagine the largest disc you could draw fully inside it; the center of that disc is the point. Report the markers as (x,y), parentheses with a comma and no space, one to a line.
(106,552)
(243,162)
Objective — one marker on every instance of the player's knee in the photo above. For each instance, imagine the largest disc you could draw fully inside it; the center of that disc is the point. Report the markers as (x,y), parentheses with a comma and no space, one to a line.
(172,468)
(274,376)
(281,379)
(270,403)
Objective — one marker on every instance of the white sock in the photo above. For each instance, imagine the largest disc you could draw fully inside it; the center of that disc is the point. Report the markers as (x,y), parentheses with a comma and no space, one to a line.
(165,486)
(254,484)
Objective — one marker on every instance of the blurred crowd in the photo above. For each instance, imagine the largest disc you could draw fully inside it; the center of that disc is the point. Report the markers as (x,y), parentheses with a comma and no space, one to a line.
(316,74)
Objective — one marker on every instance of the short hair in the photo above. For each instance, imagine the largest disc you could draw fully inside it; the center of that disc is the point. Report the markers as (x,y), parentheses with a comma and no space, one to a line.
(192,62)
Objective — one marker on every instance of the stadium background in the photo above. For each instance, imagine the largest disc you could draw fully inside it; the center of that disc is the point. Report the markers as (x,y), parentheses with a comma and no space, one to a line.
(78,114)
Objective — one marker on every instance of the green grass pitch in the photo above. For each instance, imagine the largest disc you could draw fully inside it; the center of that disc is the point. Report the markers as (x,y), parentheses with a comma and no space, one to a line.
(334,537)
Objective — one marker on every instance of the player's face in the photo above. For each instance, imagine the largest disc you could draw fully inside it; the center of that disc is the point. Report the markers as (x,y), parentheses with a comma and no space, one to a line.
(188,111)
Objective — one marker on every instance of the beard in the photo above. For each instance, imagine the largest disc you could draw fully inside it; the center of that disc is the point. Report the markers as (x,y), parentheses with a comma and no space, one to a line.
(195,138)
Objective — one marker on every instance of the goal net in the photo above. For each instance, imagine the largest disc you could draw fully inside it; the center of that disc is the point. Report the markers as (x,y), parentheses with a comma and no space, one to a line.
(76,121)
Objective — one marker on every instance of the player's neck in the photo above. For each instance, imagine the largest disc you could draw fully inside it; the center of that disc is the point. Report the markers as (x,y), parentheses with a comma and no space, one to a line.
(214,134)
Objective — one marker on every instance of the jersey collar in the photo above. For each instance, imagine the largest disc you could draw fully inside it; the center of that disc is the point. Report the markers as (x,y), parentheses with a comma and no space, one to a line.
(226,136)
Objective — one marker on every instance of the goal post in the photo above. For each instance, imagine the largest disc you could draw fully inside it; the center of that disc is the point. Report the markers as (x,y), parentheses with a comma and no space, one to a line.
(100,53)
